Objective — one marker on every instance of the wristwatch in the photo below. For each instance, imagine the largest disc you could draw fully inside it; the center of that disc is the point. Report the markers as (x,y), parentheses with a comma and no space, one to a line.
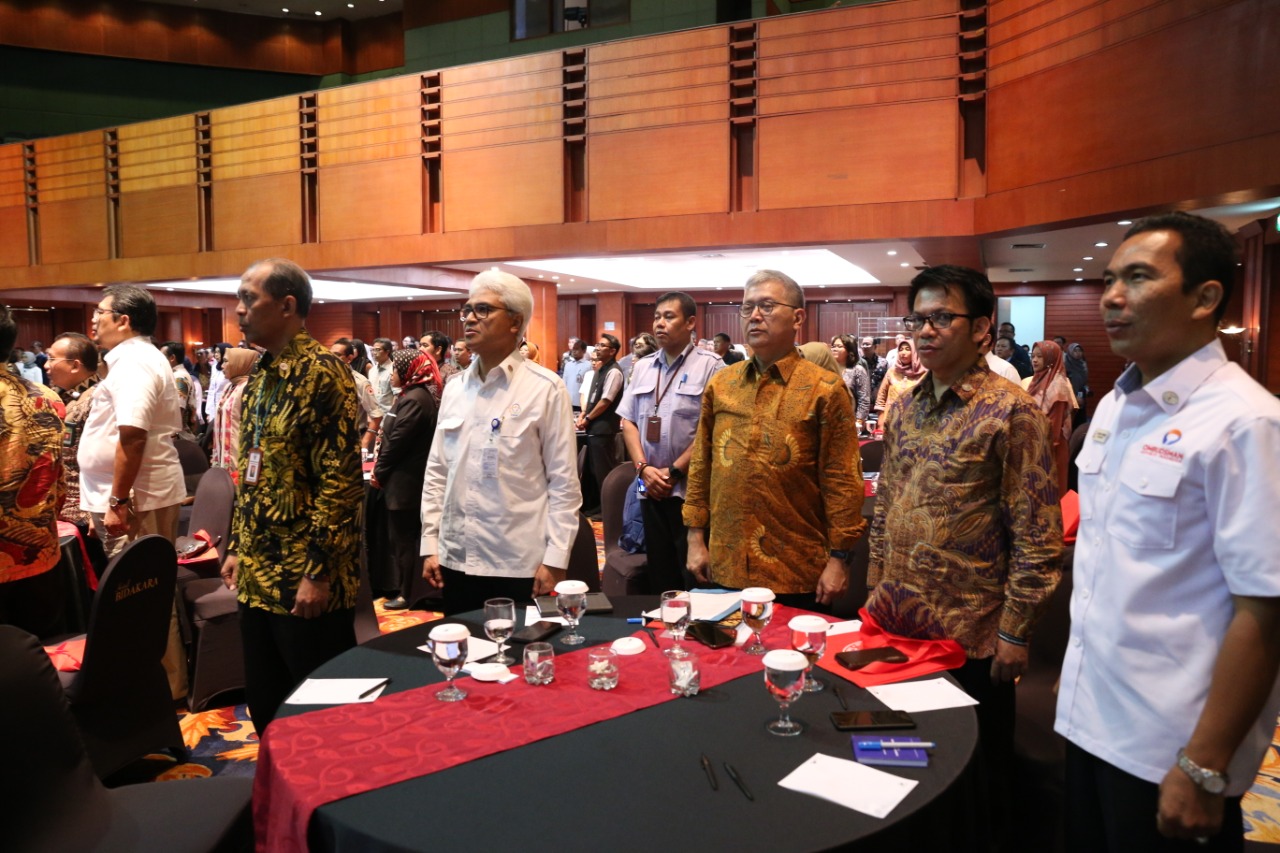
(676,474)
(1209,781)
(114,501)
(841,555)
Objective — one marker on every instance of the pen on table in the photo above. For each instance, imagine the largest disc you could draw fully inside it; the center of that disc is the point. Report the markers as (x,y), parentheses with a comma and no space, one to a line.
(737,780)
(710,771)
(896,744)
(375,688)
(635,620)
(652,636)
(835,688)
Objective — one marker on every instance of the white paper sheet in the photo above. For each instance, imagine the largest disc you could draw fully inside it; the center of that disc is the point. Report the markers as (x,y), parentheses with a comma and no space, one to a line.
(707,606)
(852,625)
(912,696)
(334,691)
(849,784)
(532,615)
(478,648)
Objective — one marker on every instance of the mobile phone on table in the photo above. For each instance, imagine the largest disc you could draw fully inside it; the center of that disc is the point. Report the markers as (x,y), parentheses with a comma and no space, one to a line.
(535,632)
(857,660)
(871,721)
(711,635)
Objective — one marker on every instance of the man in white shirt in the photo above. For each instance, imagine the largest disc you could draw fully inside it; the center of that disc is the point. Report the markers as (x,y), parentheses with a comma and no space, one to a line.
(998,365)
(371,413)
(188,389)
(1168,697)
(500,499)
(576,367)
(380,373)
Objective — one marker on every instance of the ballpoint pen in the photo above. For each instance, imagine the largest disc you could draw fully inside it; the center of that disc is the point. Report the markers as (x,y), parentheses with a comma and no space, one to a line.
(737,780)
(375,688)
(710,771)
(896,744)
(652,636)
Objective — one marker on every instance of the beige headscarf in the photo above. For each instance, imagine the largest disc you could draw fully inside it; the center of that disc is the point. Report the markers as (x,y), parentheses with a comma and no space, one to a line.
(237,363)
(820,354)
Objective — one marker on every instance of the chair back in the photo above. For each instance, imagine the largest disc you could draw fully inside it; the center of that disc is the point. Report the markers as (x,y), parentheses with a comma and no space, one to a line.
(193,459)
(872,453)
(211,512)
(613,498)
(584,564)
(129,622)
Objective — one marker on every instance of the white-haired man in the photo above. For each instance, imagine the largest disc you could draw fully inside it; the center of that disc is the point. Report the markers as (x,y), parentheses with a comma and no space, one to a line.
(501,496)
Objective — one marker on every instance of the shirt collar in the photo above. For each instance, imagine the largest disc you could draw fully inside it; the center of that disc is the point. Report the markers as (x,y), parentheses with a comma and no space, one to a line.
(1171,389)
(77,392)
(782,368)
(968,385)
(291,354)
(505,369)
(684,353)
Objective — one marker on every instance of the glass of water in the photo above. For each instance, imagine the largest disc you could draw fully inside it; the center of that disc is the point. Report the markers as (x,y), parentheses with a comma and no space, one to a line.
(757,610)
(539,663)
(602,668)
(784,677)
(571,601)
(809,637)
(449,651)
(674,610)
(499,623)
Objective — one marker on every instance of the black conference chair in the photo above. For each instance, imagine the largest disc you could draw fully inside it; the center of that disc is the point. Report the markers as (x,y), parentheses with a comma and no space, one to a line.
(872,456)
(584,565)
(624,573)
(54,802)
(120,698)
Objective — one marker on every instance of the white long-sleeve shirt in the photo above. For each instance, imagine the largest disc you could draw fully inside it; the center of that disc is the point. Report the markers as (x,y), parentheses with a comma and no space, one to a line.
(501,494)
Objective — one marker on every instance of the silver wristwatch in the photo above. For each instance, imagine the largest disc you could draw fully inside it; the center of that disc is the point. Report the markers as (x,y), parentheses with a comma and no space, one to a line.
(1209,781)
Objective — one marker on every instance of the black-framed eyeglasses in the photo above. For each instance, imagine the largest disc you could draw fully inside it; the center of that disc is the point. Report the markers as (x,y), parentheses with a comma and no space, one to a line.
(938,319)
(51,359)
(766,307)
(98,312)
(481,309)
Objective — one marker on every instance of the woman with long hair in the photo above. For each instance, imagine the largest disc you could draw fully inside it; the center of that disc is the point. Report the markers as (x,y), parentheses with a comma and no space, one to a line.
(844,349)
(902,376)
(1049,387)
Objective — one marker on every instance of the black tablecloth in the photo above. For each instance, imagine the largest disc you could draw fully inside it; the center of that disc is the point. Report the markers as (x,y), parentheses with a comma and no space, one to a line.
(635,782)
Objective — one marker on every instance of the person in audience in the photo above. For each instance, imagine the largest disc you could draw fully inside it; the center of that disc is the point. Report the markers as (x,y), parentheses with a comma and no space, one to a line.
(877,365)
(131,480)
(31,590)
(73,371)
(1169,694)
(360,361)
(845,352)
(401,466)
(575,368)
(188,390)
(781,420)
(724,348)
(997,365)
(903,375)
(37,349)
(1018,356)
(370,413)
(599,418)
(437,345)
(380,371)
(293,552)
(1078,375)
(500,499)
(1049,387)
(217,382)
(966,543)
(408,342)
(659,412)
(529,350)
(1003,350)
(226,425)
(461,355)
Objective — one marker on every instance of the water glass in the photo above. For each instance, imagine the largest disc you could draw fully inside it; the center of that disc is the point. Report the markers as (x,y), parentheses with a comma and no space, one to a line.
(809,637)
(571,601)
(499,624)
(449,651)
(684,674)
(539,663)
(784,677)
(757,610)
(675,609)
(602,668)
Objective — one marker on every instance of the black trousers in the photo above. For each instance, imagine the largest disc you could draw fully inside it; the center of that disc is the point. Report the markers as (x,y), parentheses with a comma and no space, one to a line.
(281,651)
(404,538)
(666,545)
(602,458)
(996,712)
(1108,809)
(463,592)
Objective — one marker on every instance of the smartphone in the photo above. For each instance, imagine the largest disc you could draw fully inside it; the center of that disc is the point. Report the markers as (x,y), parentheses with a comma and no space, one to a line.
(533,633)
(857,660)
(711,635)
(870,721)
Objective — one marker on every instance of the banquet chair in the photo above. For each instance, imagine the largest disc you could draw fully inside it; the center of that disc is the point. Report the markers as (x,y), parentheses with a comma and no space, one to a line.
(54,802)
(872,453)
(584,565)
(624,573)
(120,697)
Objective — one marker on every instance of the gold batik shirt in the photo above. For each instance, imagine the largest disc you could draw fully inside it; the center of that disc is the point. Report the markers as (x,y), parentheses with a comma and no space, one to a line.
(775,474)
(303,515)
(30,477)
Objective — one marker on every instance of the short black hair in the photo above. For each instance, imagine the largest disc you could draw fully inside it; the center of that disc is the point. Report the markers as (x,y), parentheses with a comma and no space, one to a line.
(688,308)
(439,340)
(135,303)
(344,343)
(288,279)
(8,329)
(82,349)
(722,336)
(979,297)
(1208,251)
(176,349)
(386,343)
(613,342)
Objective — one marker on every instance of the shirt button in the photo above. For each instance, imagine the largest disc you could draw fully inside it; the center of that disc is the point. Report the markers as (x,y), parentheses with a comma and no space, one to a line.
(1107,487)
(1126,433)
(1143,482)
(1075,641)
(1084,594)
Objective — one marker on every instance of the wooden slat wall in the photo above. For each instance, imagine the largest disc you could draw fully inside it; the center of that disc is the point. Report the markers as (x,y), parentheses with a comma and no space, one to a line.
(13,212)
(842,318)
(255,139)
(158,206)
(159,222)
(71,166)
(256,187)
(265,210)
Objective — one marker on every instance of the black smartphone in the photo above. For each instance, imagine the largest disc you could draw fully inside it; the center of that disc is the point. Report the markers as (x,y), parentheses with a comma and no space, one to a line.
(535,632)
(870,721)
(711,635)
(857,660)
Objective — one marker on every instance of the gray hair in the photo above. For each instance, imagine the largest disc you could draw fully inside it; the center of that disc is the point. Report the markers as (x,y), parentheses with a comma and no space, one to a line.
(789,286)
(514,293)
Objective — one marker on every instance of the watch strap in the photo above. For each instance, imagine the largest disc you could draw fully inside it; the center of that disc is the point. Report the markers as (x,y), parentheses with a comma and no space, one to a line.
(1209,781)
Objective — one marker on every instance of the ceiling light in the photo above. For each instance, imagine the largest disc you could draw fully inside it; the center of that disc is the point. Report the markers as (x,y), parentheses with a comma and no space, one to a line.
(321,301)
(821,286)
(891,252)
(1101,245)
(904,264)
(595,290)
(555,278)
(286,11)
(1079,279)
(1231,330)
(1125,222)
(1087,258)
(351,5)
(318,13)
(1077,269)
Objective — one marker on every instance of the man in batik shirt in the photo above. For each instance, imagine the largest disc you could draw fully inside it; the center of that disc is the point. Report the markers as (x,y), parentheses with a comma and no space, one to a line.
(73,372)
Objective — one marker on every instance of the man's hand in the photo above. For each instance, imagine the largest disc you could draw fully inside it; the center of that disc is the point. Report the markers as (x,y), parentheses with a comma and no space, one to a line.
(833,582)
(657,482)
(228,571)
(699,559)
(311,600)
(117,520)
(546,578)
(1186,811)
(1010,662)
(431,571)
(373,481)
(581,422)
(367,442)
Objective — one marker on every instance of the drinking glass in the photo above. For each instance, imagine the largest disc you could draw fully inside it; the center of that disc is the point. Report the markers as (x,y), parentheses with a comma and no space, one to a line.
(539,663)
(784,676)
(499,623)
(757,610)
(449,651)
(571,601)
(684,676)
(809,637)
(602,668)
(674,609)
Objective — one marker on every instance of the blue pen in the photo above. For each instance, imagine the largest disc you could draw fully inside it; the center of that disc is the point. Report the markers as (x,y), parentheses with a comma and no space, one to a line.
(635,620)
(896,744)
(683,378)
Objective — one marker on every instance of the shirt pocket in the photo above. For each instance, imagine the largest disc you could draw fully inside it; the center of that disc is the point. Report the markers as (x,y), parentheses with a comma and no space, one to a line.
(688,400)
(1089,463)
(516,442)
(450,430)
(1145,514)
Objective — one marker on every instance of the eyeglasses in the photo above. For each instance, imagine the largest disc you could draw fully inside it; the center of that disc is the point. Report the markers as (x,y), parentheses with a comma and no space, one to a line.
(480,309)
(54,358)
(766,307)
(938,319)
(98,312)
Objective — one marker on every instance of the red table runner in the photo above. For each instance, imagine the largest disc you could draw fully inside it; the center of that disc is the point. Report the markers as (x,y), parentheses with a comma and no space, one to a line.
(316,758)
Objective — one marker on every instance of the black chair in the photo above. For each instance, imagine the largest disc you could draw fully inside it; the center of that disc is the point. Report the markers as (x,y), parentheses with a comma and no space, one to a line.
(584,564)
(624,573)
(872,455)
(194,463)
(120,698)
(54,802)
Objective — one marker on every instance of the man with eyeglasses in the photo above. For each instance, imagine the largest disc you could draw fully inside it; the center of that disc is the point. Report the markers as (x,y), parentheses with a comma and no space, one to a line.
(966,543)
(73,373)
(576,367)
(500,499)
(380,373)
(775,476)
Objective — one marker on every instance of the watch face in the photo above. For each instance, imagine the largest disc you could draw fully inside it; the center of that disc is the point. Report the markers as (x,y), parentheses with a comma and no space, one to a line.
(1214,784)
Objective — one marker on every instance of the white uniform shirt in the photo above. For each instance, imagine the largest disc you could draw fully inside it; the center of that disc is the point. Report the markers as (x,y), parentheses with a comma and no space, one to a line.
(380,378)
(574,371)
(139,391)
(217,384)
(501,493)
(1000,367)
(1177,514)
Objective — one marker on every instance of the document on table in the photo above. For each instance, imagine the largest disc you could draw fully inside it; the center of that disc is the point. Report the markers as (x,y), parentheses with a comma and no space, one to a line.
(336,691)
(849,784)
(932,695)
(707,606)
(478,648)
(532,614)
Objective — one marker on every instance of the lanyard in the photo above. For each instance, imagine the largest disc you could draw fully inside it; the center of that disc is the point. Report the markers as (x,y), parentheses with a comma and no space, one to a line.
(662,392)
(257,411)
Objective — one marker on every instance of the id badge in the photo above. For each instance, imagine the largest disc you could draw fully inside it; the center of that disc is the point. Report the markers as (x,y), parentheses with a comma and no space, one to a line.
(253,470)
(489,463)
(653,429)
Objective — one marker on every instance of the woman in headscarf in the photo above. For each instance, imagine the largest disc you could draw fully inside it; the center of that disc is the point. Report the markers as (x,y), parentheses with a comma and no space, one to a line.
(236,365)
(1049,387)
(402,464)
(529,350)
(902,376)
(844,349)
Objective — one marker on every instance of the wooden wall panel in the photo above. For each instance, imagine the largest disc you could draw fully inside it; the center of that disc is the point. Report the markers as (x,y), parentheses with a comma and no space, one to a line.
(156,154)
(858,16)
(835,99)
(453,105)
(369,122)
(13,237)
(255,139)
(900,152)
(903,33)
(379,199)
(74,230)
(665,171)
(159,222)
(71,167)
(503,186)
(829,319)
(331,320)
(261,211)
(12,176)
(872,76)
(501,68)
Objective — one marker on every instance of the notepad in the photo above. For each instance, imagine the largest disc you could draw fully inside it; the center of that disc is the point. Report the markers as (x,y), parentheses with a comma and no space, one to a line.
(889,757)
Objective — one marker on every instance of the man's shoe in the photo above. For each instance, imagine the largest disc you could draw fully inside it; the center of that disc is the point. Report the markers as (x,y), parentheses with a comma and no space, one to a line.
(397,603)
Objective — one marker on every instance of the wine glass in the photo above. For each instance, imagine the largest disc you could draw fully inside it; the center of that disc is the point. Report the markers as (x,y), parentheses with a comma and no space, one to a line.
(499,624)
(784,676)
(809,637)
(571,601)
(449,651)
(674,609)
(757,610)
